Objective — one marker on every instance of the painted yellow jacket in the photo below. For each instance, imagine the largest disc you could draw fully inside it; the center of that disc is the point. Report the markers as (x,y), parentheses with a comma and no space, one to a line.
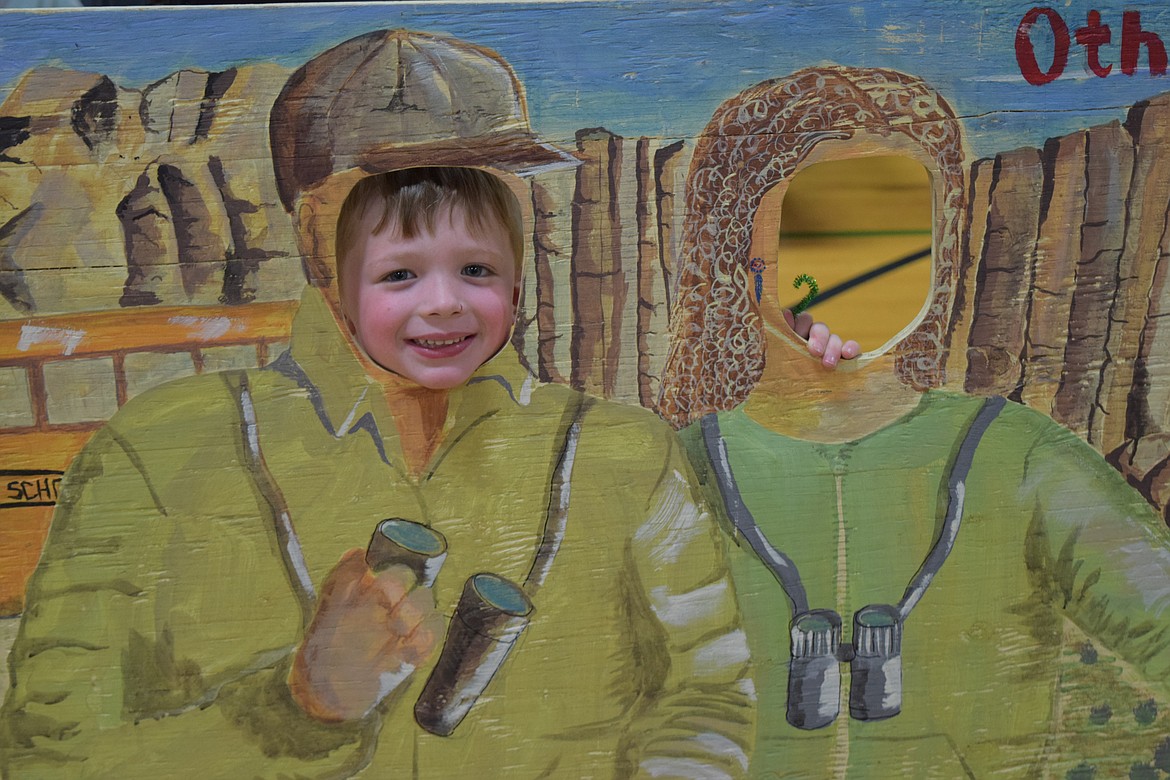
(161,619)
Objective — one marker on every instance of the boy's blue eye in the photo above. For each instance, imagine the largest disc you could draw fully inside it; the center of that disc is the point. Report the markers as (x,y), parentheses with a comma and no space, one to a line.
(476,269)
(401,275)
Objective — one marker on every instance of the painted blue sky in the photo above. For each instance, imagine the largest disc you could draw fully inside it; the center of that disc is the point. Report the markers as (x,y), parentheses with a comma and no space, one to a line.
(638,68)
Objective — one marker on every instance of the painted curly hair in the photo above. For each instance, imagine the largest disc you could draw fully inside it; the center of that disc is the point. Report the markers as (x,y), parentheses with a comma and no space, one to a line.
(755,140)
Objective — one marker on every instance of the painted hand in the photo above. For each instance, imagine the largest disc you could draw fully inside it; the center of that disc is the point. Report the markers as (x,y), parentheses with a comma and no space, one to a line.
(368,635)
(822,343)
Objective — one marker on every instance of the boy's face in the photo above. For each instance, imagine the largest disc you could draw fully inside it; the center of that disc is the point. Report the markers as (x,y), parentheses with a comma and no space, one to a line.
(435,307)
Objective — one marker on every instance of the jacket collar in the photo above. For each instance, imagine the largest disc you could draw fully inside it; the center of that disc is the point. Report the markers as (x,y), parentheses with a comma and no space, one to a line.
(320,358)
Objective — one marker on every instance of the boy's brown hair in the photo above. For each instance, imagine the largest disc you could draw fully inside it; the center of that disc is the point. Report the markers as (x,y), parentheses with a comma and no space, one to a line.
(411,198)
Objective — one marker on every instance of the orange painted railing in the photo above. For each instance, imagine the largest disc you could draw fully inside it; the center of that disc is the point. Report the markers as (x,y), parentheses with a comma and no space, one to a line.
(35,449)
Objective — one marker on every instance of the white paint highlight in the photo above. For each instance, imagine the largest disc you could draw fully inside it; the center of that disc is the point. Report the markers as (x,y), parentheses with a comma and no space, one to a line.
(701,604)
(31,335)
(729,650)
(525,396)
(719,745)
(681,767)
(206,328)
(673,524)
(389,681)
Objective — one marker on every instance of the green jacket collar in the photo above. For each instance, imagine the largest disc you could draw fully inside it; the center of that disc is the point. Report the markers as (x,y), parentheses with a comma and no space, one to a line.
(347,399)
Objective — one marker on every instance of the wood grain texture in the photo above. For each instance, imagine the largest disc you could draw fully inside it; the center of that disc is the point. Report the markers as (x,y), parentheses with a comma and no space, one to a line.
(150,185)
(1055,278)
(1146,225)
(1109,162)
(599,288)
(1004,279)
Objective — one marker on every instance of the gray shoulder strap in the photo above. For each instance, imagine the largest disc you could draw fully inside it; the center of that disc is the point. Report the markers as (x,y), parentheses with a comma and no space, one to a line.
(782,567)
(265,483)
(557,515)
(956,495)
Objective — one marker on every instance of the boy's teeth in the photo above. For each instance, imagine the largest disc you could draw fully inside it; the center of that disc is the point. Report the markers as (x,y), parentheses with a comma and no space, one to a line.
(439,342)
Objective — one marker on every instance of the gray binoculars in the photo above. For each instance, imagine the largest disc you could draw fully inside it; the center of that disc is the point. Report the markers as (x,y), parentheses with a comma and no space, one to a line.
(491,613)
(875,665)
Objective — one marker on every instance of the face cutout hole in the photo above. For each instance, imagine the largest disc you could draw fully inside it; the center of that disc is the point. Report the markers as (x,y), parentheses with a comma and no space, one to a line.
(862,228)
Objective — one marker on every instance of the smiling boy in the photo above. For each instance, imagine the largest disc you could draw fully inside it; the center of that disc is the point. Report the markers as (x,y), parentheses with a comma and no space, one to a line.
(215,593)
(429,291)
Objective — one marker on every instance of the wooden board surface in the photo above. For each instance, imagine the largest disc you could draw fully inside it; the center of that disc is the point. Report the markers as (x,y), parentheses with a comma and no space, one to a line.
(161,200)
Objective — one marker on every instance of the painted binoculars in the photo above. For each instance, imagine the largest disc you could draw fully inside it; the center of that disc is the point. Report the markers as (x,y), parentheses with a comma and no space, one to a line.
(491,613)
(875,665)
(407,543)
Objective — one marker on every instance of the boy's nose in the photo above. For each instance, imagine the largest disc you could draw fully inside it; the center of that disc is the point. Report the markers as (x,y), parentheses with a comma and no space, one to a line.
(443,299)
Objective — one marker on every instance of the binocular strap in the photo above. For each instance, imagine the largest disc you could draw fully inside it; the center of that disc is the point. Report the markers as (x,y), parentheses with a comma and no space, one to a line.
(288,543)
(784,568)
(875,653)
(557,514)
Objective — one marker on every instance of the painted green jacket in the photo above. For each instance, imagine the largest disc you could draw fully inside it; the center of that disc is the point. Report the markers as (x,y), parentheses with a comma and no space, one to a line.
(161,619)
(1049,534)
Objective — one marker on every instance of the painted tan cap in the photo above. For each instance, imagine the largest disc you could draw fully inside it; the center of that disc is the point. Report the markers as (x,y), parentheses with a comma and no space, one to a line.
(396,98)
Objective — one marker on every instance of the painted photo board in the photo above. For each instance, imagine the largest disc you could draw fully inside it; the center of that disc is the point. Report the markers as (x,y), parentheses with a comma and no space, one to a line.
(652,535)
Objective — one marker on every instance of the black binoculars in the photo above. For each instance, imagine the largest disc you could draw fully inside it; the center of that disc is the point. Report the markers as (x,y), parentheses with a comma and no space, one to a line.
(875,665)
(491,613)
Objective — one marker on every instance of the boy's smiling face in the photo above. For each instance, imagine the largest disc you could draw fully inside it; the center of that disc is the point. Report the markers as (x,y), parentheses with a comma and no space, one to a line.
(435,307)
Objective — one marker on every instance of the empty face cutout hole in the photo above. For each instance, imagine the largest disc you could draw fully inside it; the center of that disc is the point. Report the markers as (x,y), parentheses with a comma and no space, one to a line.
(862,228)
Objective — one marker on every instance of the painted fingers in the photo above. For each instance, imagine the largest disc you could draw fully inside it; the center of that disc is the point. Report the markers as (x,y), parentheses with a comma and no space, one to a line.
(369,633)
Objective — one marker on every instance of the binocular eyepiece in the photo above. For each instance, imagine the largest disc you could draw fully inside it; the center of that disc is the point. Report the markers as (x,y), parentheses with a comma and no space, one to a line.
(407,543)
(875,665)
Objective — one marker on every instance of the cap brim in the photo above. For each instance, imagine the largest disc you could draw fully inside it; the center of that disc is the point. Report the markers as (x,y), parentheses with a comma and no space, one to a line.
(518,153)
